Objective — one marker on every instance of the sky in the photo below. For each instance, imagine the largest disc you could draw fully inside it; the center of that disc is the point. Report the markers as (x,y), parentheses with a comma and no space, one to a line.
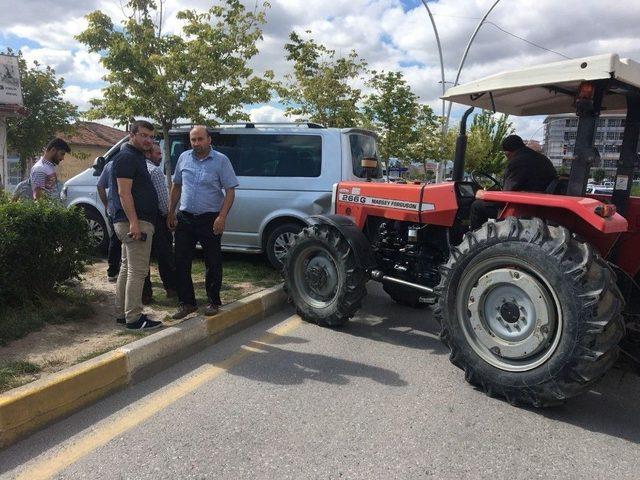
(392,35)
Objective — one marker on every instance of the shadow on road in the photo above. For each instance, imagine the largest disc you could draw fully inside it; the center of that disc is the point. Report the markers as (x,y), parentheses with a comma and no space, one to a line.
(288,367)
(383,320)
(611,407)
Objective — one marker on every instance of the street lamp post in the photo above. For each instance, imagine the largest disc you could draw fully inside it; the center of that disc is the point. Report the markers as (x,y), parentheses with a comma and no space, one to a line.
(444,124)
(466,51)
(445,118)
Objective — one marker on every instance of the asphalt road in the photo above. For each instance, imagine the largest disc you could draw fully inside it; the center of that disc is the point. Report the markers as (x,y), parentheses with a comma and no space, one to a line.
(375,400)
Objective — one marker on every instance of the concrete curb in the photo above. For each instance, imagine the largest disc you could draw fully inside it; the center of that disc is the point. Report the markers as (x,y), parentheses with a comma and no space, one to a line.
(30,407)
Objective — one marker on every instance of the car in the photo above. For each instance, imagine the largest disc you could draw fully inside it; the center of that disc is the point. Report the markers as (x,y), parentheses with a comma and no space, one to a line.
(599,190)
(286,172)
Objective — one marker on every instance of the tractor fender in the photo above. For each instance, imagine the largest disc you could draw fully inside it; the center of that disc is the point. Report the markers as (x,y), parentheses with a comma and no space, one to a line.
(520,204)
(352,234)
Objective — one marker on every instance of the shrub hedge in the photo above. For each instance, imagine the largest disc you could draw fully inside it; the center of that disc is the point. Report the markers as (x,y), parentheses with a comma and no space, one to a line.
(42,245)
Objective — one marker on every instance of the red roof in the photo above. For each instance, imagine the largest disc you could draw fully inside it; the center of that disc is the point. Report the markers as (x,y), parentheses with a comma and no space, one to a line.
(93,134)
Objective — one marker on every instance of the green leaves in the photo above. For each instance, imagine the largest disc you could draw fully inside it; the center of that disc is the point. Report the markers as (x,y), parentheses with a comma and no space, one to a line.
(394,112)
(48,113)
(320,87)
(199,74)
(484,151)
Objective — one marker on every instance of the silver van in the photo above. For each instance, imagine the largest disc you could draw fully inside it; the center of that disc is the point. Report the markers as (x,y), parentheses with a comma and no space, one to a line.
(286,173)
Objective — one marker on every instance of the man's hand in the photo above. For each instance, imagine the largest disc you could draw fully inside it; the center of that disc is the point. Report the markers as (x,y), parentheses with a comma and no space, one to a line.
(218,225)
(171,221)
(134,231)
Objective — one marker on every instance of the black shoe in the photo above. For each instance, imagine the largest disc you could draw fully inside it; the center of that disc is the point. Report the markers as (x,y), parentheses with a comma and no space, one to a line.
(183,311)
(144,323)
(121,321)
(211,310)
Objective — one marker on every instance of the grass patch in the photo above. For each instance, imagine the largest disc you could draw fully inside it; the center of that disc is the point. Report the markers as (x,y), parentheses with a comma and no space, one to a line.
(67,304)
(132,333)
(238,270)
(97,353)
(13,373)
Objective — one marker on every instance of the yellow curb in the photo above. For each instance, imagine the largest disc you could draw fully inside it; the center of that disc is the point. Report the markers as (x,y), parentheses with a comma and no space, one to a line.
(30,407)
(241,311)
(25,409)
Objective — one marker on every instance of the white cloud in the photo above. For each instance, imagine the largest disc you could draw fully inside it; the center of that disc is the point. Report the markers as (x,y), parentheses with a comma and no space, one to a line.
(381,31)
(81,96)
(269,114)
(76,67)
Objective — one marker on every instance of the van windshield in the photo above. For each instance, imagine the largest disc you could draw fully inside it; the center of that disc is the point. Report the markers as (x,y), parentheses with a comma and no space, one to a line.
(363,146)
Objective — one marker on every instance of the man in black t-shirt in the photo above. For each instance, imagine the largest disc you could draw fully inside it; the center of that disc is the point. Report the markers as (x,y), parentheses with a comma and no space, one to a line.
(134,218)
(527,171)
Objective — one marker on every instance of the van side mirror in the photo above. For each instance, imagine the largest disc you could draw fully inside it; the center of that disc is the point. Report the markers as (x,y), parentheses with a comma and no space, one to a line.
(369,166)
(98,166)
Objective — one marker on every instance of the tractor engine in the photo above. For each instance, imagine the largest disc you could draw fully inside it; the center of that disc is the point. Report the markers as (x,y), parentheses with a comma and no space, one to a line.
(410,252)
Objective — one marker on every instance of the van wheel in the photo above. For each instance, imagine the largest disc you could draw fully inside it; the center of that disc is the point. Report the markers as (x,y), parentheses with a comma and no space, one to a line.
(98,232)
(279,242)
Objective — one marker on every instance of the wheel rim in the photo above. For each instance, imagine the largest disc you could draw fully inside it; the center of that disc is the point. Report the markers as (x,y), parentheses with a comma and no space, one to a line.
(282,244)
(317,276)
(510,315)
(96,232)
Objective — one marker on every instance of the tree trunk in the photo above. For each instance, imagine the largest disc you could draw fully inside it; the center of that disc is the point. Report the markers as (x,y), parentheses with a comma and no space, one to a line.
(167,152)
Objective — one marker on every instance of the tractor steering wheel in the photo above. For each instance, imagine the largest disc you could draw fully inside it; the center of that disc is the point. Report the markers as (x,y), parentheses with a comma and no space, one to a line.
(486,181)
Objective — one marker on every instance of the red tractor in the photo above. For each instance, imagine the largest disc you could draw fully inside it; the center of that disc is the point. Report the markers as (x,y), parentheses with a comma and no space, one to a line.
(534,305)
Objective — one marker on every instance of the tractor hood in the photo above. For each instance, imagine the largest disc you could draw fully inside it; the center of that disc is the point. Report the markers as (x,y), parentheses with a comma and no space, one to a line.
(550,88)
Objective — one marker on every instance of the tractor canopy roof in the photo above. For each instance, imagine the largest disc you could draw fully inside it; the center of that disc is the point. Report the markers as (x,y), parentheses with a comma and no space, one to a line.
(551,88)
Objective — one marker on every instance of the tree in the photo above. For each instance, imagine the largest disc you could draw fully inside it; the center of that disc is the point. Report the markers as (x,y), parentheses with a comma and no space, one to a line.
(394,112)
(429,144)
(484,143)
(484,152)
(598,175)
(165,77)
(319,88)
(47,112)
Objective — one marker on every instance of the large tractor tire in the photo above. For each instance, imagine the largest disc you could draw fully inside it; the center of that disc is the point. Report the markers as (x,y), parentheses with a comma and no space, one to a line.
(529,312)
(323,277)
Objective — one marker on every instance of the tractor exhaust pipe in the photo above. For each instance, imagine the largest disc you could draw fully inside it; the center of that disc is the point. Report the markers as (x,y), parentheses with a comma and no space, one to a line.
(461,148)
(379,276)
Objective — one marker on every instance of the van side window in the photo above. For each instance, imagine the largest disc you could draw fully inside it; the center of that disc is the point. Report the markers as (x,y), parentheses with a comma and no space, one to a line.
(271,155)
(363,146)
(178,146)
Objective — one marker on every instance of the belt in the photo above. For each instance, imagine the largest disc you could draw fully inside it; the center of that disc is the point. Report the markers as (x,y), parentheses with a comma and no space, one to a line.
(199,215)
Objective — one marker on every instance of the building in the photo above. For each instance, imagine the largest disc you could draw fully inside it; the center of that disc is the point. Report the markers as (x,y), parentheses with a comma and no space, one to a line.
(560,138)
(533,145)
(88,140)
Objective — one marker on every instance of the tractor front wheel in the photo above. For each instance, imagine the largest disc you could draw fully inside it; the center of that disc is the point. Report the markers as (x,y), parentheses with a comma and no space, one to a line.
(529,312)
(323,277)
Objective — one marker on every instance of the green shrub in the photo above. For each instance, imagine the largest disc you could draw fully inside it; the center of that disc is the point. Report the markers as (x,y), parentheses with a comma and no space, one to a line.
(42,245)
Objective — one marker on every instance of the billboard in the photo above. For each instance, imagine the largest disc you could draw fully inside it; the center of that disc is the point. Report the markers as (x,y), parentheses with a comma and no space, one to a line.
(10,92)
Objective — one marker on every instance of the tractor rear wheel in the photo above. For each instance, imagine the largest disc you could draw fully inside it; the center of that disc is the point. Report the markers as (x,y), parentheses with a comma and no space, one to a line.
(323,277)
(529,312)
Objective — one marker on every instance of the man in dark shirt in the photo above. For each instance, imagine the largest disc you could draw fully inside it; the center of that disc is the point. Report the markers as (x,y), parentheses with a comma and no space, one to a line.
(527,171)
(134,217)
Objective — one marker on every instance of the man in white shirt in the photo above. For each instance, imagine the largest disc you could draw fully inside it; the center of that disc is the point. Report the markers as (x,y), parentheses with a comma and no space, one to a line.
(44,179)
(162,247)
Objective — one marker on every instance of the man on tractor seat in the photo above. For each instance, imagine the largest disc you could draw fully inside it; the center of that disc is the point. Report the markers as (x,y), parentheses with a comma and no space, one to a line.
(527,171)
